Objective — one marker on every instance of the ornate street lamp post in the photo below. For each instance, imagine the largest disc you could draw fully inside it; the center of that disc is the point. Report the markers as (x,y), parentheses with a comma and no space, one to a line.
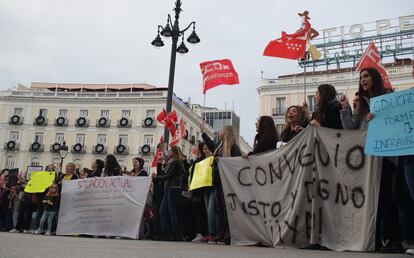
(173,31)
(63,151)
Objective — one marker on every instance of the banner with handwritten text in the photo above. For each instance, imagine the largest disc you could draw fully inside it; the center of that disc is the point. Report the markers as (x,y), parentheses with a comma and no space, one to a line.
(318,188)
(109,206)
(391,132)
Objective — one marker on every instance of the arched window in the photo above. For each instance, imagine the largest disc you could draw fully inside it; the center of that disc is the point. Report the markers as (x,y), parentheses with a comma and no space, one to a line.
(78,163)
(35,162)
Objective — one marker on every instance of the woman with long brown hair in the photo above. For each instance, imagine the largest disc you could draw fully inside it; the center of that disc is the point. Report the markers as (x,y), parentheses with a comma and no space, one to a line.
(296,119)
(226,147)
(174,172)
(327,108)
(266,137)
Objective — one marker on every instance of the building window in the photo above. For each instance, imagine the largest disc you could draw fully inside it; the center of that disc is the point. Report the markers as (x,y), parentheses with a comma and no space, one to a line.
(311,103)
(35,162)
(198,137)
(149,139)
(126,113)
(60,138)
(80,138)
(147,165)
(43,112)
(101,139)
(14,136)
(105,113)
(18,111)
(280,106)
(10,162)
(191,131)
(151,113)
(83,113)
(39,138)
(123,139)
(63,113)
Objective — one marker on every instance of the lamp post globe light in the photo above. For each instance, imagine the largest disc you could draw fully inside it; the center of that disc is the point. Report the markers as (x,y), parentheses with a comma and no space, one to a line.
(63,151)
(172,30)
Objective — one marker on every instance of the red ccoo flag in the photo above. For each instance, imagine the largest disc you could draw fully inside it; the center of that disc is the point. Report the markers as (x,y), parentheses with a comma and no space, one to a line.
(168,120)
(371,58)
(218,72)
(179,133)
(158,153)
(290,46)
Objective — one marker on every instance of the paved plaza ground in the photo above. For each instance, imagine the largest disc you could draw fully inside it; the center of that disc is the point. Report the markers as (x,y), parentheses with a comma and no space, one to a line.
(14,245)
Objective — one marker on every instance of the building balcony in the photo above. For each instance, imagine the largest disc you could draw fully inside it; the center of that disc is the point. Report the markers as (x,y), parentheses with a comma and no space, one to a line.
(61,121)
(36,147)
(55,147)
(149,122)
(146,150)
(99,149)
(82,122)
(121,149)
(16,120)
(11,146)
(40,121)
(78,149)
(124,123)
(278,111)
(103,122)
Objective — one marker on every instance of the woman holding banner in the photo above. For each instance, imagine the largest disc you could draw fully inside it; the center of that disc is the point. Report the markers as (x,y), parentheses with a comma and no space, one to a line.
(296,119)
(371,85)
(227,147)
(174,171)
(327,112)
(266,137)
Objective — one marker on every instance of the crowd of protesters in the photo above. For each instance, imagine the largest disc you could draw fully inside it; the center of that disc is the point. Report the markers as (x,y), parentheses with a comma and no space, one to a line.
(177,214)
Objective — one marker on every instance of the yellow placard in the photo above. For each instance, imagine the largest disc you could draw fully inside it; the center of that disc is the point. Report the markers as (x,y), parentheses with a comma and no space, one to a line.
(39,181)
(203,174)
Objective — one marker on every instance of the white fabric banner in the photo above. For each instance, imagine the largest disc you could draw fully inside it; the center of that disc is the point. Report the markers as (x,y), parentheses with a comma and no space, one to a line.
(111,206)
(318,188)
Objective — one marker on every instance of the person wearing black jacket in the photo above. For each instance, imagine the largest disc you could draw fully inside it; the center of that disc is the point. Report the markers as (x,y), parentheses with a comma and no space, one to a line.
(296,120)
(328,109)
(266,137)
(174,171)
(226,147)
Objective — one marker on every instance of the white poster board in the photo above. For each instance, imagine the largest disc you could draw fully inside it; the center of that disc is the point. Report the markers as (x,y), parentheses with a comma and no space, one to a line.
(110,206)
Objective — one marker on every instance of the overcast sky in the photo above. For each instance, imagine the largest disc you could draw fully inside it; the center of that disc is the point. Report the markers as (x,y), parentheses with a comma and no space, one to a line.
(108,41)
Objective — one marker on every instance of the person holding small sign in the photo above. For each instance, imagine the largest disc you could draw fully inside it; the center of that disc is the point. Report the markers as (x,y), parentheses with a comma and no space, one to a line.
(50,203)
(227,147)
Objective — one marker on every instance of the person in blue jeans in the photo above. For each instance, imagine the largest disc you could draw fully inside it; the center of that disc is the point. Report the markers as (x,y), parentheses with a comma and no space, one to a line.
(50,203)
(174,171)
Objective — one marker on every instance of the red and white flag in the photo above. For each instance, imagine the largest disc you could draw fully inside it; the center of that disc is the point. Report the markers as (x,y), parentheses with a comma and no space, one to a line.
(371,58)
(179,133)
(158,153)
(168,119)
(289,46)
(218,72)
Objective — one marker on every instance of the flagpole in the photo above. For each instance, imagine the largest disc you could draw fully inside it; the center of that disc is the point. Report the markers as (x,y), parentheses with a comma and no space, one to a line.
(204,106)
(304,78)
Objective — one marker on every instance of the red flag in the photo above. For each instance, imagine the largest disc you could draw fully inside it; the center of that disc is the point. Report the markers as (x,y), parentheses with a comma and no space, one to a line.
(290,46)
(371,58)
(218,72)
(168,119)
(158,153)
(179,134)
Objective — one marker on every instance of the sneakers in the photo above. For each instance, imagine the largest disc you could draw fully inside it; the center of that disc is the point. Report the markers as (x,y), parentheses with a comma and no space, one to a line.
(48,233)
(26,231)
(209,239)
(38,232)
(14,231)
(392,247)
(410,251)
(198,238)
(224,241)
